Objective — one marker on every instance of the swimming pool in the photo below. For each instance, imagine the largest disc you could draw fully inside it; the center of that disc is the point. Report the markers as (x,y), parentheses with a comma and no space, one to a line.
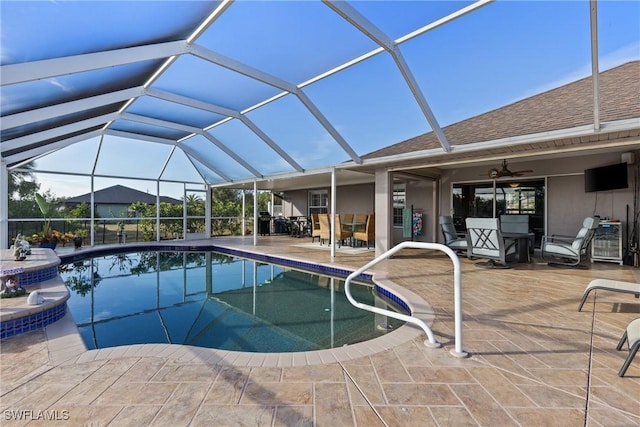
(216,300)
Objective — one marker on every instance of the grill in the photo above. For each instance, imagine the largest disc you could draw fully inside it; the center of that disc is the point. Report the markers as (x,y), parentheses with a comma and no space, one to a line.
(264,223)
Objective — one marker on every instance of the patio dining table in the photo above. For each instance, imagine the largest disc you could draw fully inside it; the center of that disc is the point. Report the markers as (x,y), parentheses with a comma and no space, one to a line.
(354,227)
(523,240)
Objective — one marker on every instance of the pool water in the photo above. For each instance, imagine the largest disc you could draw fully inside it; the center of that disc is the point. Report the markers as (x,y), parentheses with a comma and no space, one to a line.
(214,300)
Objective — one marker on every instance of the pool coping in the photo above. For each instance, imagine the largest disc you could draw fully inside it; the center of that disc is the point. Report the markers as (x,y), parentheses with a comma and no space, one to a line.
(66,346)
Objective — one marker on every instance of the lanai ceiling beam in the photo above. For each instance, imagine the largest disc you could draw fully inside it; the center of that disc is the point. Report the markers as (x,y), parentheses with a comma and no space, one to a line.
(356,19)
(205,162)
(271,143)
(266,78)
(30,154)
(71,107)
(193,103)
(228,113)
(595,73)
(138,137)
(47,68)
(38,137)
(215,141)
(159,122)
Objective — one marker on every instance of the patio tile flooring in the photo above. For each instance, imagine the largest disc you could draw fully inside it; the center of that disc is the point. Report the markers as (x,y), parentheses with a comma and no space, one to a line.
(534,361)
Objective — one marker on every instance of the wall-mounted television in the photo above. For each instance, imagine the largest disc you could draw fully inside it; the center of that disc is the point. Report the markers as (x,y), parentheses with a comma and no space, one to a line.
(605,178)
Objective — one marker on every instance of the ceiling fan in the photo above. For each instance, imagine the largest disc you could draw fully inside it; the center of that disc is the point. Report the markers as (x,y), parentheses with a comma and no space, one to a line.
(505,172)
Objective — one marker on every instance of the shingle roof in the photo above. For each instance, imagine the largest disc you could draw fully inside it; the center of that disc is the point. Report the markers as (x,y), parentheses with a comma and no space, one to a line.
(119,194)
(560,108)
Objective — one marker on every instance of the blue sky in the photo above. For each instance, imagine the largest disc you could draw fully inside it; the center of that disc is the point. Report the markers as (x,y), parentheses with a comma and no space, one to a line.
(503,52)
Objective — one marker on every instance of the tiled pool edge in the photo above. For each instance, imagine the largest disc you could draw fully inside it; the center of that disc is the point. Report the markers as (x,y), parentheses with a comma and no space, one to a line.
(411,302)
(38,273)
(30,322)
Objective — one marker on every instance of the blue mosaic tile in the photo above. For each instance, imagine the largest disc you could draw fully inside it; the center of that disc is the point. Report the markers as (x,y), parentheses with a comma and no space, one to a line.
(30,277)
(32,322)
(393,297)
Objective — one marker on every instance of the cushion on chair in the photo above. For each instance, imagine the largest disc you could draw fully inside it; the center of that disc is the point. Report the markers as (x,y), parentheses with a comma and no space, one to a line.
(514,223)
(587,225)
(560,249)
(458,244)
(449,231)
(486,242)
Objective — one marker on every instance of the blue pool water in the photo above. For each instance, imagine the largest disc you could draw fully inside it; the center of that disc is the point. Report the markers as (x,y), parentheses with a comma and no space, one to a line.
(214,300)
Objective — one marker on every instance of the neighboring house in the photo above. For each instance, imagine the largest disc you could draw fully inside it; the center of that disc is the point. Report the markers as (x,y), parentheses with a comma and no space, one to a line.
(114,202)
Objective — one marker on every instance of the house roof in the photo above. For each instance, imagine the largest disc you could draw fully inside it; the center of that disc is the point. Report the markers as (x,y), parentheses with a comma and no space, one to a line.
(121,195)
(565,107)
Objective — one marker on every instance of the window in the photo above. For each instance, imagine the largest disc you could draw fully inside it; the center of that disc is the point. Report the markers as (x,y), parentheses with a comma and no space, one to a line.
(510,197)
(318,201)
(399,203)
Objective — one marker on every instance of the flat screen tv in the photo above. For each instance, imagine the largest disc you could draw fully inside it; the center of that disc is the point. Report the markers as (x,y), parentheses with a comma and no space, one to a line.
(606,178)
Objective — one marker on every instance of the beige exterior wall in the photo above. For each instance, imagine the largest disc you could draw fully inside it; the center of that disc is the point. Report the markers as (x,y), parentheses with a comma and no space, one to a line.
(566,202)
(420,195)
(350,199)
(355,198)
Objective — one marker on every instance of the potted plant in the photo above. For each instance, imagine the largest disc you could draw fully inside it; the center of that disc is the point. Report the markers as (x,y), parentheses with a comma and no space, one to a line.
(78,237)
(48,237)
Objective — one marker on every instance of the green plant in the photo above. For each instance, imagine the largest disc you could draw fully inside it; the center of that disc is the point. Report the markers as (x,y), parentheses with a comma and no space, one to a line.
(80,232)
(48,234)
(47,212)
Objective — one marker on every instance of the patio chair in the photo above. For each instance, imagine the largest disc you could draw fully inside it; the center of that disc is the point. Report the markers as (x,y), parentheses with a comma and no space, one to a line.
(325,227)
(484,240)
(632,336)
(360,218)
(452,237)
(368,235)
(569,251)
(315,227)
(347,219)
(612,286)
(341,234)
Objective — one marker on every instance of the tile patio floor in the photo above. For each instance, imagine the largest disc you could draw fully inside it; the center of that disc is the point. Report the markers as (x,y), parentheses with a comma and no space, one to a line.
(534,361)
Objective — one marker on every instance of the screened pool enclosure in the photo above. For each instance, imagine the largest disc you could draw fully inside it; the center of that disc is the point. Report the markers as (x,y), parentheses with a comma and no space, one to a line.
(176,97)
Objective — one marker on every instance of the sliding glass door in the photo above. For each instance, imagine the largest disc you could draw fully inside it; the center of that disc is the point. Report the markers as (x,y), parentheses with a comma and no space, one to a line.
(494,198)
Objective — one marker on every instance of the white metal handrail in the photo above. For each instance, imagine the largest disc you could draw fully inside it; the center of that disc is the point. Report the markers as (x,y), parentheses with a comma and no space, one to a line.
(457,294)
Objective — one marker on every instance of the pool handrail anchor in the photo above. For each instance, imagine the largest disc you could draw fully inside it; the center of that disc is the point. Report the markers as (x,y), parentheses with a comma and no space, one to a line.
(457,294)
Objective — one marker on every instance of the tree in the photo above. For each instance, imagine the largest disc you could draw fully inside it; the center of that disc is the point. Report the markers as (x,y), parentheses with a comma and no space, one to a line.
(263,203)
(22,188)
(195,205)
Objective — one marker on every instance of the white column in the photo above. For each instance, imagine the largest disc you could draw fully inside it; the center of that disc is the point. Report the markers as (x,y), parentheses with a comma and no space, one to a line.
(157,210)
(93,212)
(207,211)
(255,212)
(184,211)
(333,213)
(4,205)
(244,222)
(383,209)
